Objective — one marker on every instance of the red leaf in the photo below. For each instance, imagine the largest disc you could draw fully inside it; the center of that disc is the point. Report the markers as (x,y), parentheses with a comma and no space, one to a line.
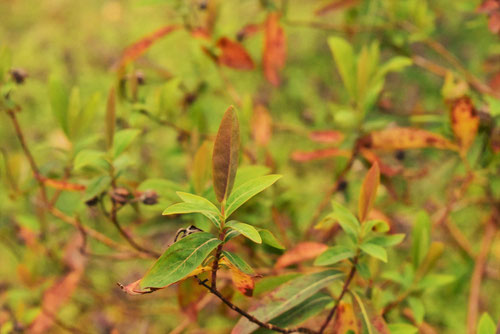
(248,30)
(319,154)
(488,6)
(494,22)
(302,252)
(135,50)
(327,136)
(335,5)
(234,55)
(274,49)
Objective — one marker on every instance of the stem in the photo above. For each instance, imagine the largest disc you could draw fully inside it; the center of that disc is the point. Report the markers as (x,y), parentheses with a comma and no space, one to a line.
(342,293)
(218,252)
(250,317)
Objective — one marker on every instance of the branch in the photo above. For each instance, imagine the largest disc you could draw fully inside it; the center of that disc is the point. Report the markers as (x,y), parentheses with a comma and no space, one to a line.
(250,317)
(342,293)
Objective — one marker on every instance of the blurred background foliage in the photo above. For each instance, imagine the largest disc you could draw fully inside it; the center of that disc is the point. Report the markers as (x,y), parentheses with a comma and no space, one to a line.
(174,96)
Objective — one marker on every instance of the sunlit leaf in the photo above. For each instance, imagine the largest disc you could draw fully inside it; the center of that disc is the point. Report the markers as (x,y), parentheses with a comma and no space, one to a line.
(225,155)
(486,325)
(333,255)
(248,190)
(368,191)
(374,250)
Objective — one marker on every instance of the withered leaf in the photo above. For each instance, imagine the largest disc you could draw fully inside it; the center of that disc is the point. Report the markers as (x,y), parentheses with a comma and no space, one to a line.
(464,122)
(242,281)
(234,55)
(225,154)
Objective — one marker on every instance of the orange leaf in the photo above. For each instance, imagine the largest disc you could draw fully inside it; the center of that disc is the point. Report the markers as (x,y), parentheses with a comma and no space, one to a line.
(302,252)
(335,5)
(274,49)
(464,122)
(135,50)
(384,168)
(225,154)
(261,125)
(248,30)
(327,136)
(242,281)
(345,320)
(234,55)
(319,154)
(62,185)
(368,191)
(404,138)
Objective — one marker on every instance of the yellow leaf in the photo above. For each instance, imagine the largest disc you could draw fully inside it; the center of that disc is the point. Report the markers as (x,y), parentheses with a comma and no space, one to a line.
(464,122)
(345,320)
(243,282)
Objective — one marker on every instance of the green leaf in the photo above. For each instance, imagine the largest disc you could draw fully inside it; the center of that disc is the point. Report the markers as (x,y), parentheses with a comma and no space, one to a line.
(300,313)
(418,309)
(378,225)
(393,65)
(247,173)
(376,251)
(486,325)
(225,155)
(58,95)
(74,107)
(194,204)
(333,255)
(247,230)
(402,329)
(123,139)
(179,260)
(287,297)
(269,239)
(86,116)
(345,218)
(110,117)
(344,58)
(97,186)
(387,240)
(248,190)
(86,158)
(420,238)
(238,262)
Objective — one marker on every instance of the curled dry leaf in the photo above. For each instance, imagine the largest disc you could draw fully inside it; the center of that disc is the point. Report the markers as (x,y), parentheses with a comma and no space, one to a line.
(464,122)
(368,191)
(399,138)
(234,55)
(135,50)
(302,156)
(242,281)
(261,125)
(326,136)
(302,252)
(274,56)
(61,185)
(225,154)
(335,5)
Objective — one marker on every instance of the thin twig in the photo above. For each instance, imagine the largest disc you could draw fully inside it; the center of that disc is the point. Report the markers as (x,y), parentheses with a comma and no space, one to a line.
(250,317)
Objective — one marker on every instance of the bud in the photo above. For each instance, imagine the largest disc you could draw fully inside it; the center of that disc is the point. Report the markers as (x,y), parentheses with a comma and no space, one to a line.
(18,75)
(120,195)
(149,197)
(92,202)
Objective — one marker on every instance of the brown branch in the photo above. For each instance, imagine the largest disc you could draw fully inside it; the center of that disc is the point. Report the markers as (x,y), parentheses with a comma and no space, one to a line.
(477,275)
(342,293)
(250,317)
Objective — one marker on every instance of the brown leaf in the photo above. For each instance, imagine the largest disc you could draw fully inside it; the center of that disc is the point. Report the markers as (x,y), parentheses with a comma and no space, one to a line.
(327,136)
(61,291)
(110,117)
(464,122)
(135,50)
(225,154)
(368,191)
(335,5)
(61,185)
(234,55)
(302,252)
(262,126)
(243,282)
(345,320)
(274,56)
(404,138)
(302,156)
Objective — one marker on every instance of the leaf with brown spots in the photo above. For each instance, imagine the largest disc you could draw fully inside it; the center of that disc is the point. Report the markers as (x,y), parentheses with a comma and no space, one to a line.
(242,281)
(398,138)
(368,191)
(301,252)
(302,156)
(234,55)
(135,50)
(225,154)
(345,320)
(274,56)
(464,122)
(262,125)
